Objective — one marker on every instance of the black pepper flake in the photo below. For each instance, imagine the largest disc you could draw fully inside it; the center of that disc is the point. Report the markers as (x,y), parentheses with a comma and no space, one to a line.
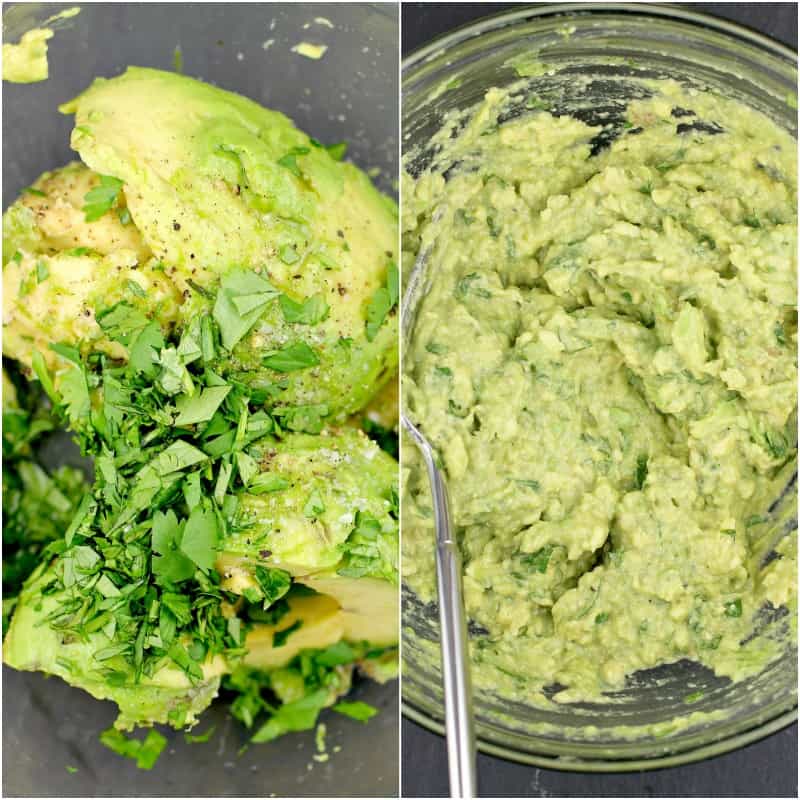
(340,234)
(265,553)
(342,290)
(176,226)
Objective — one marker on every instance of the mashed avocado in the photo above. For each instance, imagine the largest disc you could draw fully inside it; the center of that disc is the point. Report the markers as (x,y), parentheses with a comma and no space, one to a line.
(604,358)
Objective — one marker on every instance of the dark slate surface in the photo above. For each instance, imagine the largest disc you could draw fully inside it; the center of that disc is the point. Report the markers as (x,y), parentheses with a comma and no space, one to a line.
(765,769)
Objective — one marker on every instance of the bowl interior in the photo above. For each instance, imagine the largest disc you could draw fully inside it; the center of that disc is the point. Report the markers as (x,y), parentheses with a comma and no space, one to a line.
(596,61)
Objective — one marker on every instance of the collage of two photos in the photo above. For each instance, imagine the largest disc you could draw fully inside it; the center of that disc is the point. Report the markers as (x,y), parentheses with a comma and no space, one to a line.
(399,399)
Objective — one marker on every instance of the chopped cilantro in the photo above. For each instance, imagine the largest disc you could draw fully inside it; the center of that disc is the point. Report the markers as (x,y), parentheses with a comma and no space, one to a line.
(100,199)
(337,151)
(383,301)
(200,738)
(144,752)
(356,710)
(289,161)
(310,311)
(734,608)
(42,271)
(291,358)
(279,637)
(540,559)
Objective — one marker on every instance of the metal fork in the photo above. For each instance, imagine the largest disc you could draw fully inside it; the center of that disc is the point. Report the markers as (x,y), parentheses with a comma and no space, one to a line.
(455,655)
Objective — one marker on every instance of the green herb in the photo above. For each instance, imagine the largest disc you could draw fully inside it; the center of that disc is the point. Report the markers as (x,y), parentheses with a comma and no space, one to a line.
(99,200)
(124,215)
(289,161)
(734,608)
(71,770)
(693,697)
(200,738)
(145,752)
(445,371)
(200,407)
(35,192)
(291,358)
(273,583)
(242,298)
(337,151)
(780,333)
(314,506)
(752,221)
(357,710)
(465,287)
(540,559)
(601,618)
(436,349)
(266,483)
(641,471)
(530,484)
(279,637)
(310,311)
(288,254)
(383,301)
(177,60)
(369,550)
(300,715)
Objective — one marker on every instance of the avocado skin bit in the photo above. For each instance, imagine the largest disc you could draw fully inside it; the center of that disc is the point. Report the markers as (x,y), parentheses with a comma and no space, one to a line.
(623,415)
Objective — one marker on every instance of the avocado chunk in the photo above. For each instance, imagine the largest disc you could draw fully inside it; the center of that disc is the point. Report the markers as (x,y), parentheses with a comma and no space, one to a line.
(167,696)
(216,184)
(368,606)
(310,623)
(61,271)
(317,493)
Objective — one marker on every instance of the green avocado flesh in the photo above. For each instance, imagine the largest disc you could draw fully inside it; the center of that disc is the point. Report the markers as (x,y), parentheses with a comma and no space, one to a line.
(207,300)
(212,183)
(605,361)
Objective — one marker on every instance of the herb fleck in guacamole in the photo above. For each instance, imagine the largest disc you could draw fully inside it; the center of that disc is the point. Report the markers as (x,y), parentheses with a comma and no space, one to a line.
(605,361)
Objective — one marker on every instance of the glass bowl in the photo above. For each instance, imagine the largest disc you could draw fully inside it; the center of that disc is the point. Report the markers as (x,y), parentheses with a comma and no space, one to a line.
(350,95)
(606,44)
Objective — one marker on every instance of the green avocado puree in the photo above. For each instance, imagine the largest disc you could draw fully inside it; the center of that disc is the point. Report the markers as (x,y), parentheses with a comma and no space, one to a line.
(604,359)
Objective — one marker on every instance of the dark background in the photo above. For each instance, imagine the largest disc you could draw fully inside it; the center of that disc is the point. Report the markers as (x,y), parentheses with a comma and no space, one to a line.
(765,769)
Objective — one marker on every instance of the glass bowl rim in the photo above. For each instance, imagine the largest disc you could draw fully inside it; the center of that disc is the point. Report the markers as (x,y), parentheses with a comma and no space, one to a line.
(427,53)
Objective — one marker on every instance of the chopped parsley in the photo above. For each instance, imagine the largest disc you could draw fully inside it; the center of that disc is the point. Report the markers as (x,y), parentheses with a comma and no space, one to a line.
(383,301)
(102,198)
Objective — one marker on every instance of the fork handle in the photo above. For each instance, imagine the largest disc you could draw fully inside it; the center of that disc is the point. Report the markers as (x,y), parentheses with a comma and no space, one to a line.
(455,653)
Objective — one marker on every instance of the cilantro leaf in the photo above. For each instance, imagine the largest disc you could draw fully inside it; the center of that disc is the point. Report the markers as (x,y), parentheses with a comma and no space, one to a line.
(279,637)
(242,297)
(171,565)
(337,151)
(99,200)
(202,406)
(267,482)
(356,710)
(200,538)
(540,559)
(273,583)
(291,358)
(289,161)
(314,506)
(144,752)
(383,301)
(311,311)
(300,715)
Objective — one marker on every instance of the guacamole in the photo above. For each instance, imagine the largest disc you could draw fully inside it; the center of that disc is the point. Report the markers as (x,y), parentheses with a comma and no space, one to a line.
(604,357)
